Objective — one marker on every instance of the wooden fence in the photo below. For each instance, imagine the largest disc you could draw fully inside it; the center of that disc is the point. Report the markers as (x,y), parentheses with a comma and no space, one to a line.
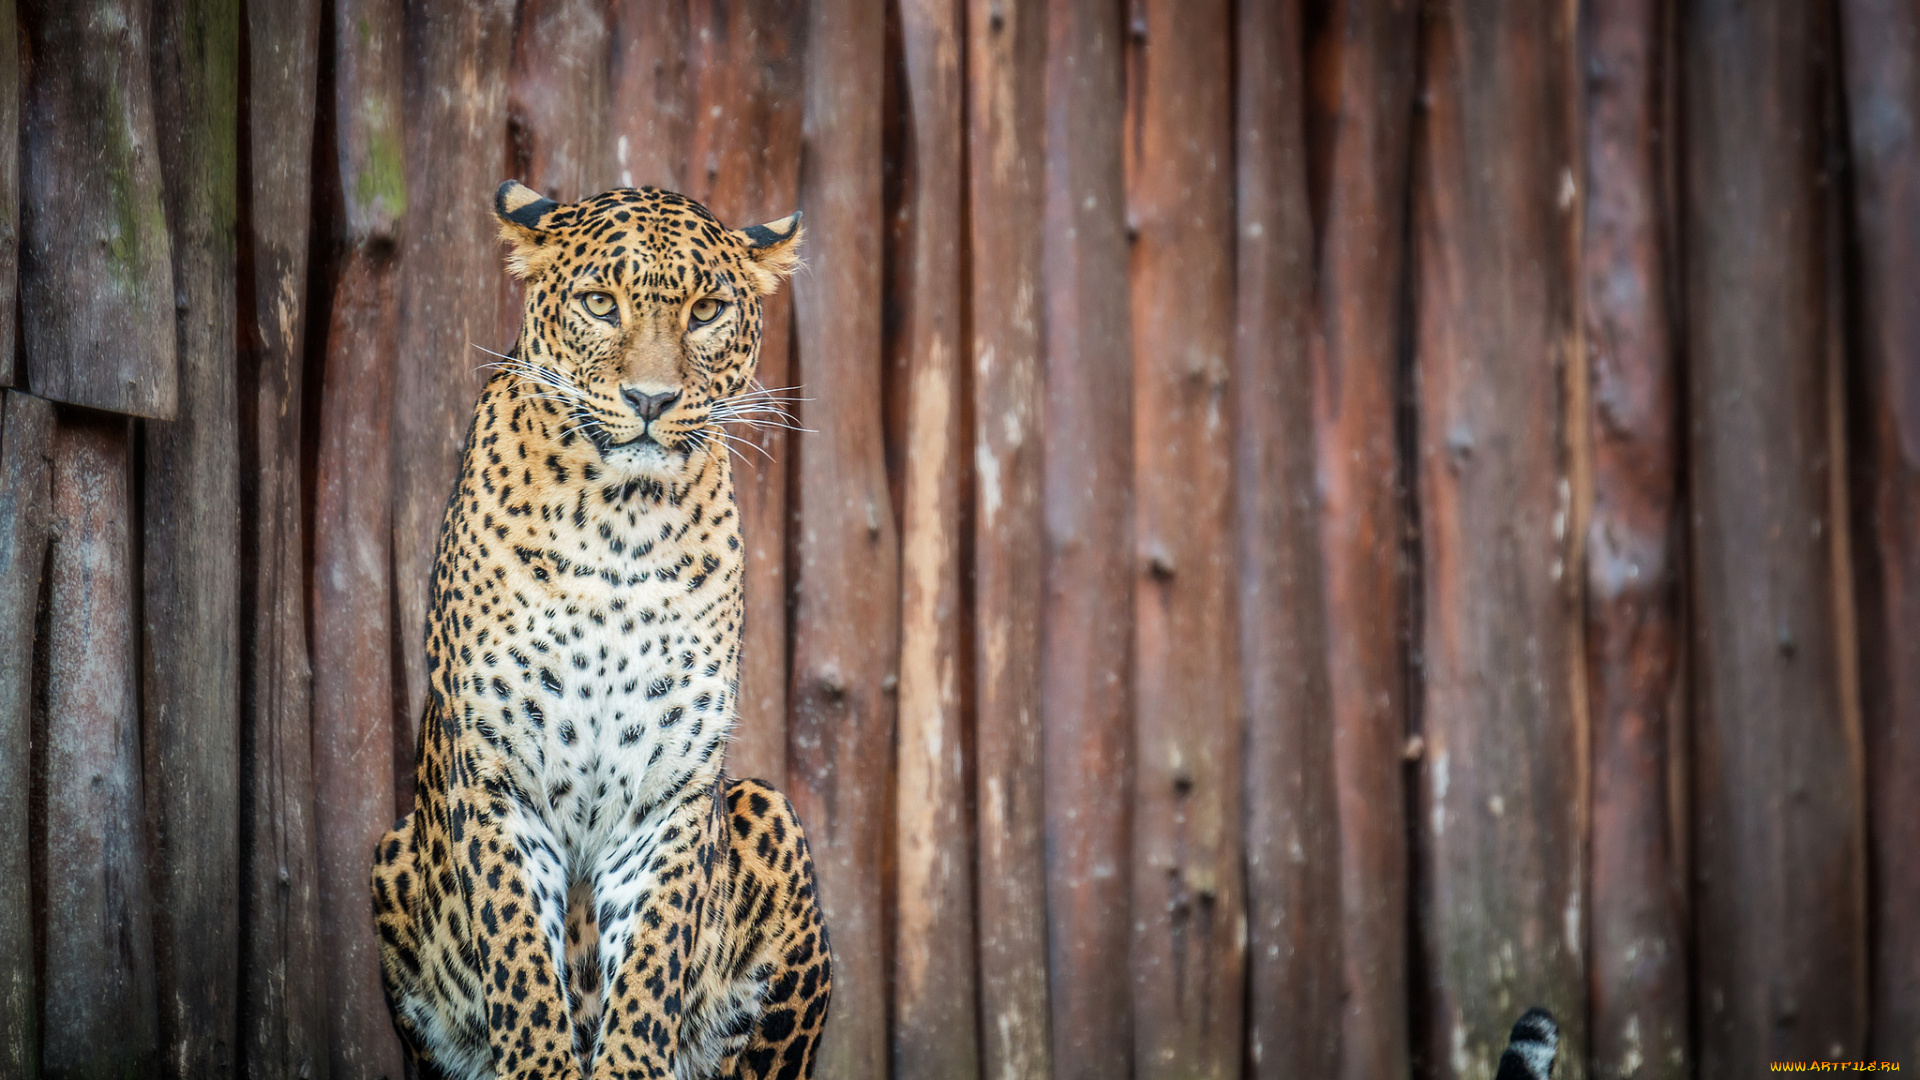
(1324,523)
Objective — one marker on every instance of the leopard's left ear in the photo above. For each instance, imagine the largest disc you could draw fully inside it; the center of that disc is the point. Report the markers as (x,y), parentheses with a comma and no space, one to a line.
(523,212)
(773,250)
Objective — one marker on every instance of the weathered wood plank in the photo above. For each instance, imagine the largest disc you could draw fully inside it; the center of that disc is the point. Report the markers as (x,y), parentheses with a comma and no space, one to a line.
(556,114)
(98,1008)
(9,189)
(1189,943)
(1293,828)
(353,691)
(934,963)
(26,436)
(846,592)
(1500,814)
(557,101)
(745,166)
(1087,638)
(368,158)
(190,698)
(354,743)
(651,93)
(1779,857)
(282,1014)
(1639,974)
(1362,108)
(450,287)
(1006,120)
(1881,39)
(98,323)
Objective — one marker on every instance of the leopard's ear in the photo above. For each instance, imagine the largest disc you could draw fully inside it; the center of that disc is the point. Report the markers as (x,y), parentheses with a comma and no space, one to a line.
(522,212)
(773,250)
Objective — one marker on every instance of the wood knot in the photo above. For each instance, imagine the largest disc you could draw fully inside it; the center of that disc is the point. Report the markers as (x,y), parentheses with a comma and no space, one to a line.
(1160,563)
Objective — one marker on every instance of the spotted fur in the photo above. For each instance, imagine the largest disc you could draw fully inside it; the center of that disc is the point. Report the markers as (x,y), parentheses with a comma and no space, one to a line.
(1531,1048)
(580,891)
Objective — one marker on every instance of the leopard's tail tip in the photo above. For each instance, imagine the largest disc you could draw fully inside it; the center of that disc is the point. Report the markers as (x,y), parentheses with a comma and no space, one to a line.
(1531,1048)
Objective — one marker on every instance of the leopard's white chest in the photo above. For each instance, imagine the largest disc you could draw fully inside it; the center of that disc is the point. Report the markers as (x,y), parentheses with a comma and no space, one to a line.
(611,695)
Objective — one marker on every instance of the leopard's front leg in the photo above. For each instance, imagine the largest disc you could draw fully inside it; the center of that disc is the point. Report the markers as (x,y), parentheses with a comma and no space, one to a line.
(514,885)
(651,891)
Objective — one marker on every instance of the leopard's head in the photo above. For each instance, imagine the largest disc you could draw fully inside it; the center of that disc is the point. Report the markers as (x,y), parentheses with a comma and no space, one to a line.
(642,318)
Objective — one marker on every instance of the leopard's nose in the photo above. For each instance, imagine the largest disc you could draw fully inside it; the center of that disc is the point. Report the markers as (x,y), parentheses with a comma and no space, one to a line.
(649,406)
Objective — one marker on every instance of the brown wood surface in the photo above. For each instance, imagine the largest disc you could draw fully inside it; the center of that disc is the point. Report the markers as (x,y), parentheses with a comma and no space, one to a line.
(363,173)
(354,649)
(557,104)
(1778,817)
(1499,812)
(190,558)
(745,166)
(651,92)
(1087,635)
(846,558)
(1292,822)
(1880,39)
(98,316)
(935,1033)
(1363,62)
(1189,942)
(449,287)
(97,1006)
(1006,121)
(1638,960)
(282,1011)
(10,88)
(26,435)
(353,654)
(556,114)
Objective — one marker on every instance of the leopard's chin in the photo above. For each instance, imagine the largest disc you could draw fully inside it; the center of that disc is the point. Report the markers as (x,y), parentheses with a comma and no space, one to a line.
(638,455)
(645,459)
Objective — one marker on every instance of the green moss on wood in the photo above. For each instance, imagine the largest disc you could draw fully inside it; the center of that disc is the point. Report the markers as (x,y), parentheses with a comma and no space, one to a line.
(380,189)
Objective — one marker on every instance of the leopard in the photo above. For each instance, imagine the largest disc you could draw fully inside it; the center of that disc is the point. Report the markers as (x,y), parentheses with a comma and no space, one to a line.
(580,889)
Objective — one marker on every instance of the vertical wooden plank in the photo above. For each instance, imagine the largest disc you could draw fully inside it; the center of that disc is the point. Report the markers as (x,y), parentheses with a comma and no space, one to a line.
(1293,829)
(1779,885)
(1087,634)
(98,1008)
(1500,796)
(1881,41)
(282,1015)
(557,101)
(353,599)
(1189,939)
(846,589)
(745,166)
(450,290)
(556,114)
(1006,121)
(98,320)
(26,434)
(1363,72)
(353,692)
(1639,973)
(9,189)
(190,700)
(934,1006)
(651,93)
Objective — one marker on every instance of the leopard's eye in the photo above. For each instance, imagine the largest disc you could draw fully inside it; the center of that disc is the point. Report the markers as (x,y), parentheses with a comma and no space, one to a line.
(599,304)
(705,310)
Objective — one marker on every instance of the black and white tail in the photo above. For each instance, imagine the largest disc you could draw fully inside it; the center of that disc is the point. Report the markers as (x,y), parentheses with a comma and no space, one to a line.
(1531,1047)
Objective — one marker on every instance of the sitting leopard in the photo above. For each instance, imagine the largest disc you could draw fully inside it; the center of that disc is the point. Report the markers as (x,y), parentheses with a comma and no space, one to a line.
(580,891)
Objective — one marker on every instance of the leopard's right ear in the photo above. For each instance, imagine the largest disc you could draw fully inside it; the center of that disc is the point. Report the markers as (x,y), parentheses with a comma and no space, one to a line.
(773,250)
(523,212)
